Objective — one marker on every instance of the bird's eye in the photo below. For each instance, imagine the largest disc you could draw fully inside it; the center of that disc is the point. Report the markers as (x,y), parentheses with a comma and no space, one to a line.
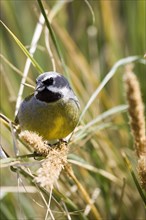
(48,81)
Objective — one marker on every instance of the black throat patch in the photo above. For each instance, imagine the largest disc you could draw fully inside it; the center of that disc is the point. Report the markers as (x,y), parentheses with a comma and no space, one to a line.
(48,96)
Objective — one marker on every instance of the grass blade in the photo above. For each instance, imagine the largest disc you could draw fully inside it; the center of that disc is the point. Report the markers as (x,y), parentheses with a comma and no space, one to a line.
(134,178)
(35,39)
(109,75)
(105,115)
(52,35)
(35,64)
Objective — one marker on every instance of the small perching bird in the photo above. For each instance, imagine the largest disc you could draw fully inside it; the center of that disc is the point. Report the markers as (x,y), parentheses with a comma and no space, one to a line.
(52,111)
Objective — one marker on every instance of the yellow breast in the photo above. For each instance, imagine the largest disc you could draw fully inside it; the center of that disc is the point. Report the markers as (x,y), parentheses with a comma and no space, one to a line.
(50,120)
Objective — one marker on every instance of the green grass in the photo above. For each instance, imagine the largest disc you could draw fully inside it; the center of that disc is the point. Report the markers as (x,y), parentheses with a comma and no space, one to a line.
(93,44)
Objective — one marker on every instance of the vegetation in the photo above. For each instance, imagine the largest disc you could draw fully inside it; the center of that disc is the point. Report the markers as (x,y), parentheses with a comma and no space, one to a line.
(91,43)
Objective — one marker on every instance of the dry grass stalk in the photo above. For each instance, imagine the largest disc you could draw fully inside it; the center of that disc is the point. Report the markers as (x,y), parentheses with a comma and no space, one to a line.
(86,197)
(136,111)
(142,171)
(35,141)
(51,166)
(137,120)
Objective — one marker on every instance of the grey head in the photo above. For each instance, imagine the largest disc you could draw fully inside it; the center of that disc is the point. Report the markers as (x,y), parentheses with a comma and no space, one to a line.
(52,86)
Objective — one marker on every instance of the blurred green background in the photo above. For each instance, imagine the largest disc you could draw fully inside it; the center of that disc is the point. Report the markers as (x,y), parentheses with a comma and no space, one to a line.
(92,36)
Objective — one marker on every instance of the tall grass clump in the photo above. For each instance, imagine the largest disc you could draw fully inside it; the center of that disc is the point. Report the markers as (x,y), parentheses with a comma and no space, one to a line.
(99,173)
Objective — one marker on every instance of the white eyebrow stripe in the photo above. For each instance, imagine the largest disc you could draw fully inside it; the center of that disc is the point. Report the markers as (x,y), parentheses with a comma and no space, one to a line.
(48,77)
(64,90)
(50,74)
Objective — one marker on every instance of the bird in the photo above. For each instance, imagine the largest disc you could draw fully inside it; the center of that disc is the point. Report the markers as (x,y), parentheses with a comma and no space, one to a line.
(52,111)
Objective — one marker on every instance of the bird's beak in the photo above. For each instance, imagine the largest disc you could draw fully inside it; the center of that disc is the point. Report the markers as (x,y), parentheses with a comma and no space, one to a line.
(40,87)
